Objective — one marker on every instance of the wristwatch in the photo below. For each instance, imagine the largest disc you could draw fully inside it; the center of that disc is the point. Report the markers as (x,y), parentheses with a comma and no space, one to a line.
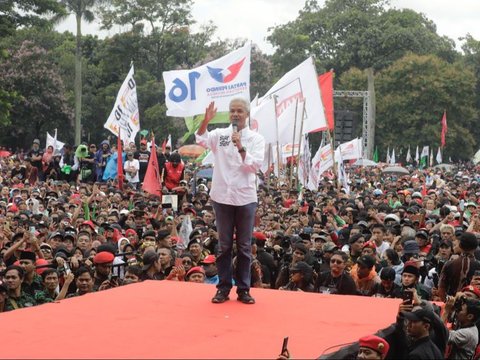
(242,149)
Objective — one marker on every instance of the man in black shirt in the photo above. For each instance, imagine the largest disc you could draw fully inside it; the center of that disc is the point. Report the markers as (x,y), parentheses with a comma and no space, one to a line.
(337,280)
(35,154)
(142,155)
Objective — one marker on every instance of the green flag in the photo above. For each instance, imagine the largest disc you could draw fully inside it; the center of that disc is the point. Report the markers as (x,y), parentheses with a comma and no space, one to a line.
(193,122)
(375,154)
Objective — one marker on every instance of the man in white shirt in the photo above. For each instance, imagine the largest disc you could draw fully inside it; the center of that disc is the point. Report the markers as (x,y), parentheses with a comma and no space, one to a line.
(238,154)
(131,167)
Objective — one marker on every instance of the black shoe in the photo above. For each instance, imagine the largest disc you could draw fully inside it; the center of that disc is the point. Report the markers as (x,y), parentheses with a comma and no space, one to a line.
(220,297)
(245,297)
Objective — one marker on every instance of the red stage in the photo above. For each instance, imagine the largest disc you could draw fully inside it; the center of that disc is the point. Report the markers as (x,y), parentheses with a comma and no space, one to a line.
(168,319)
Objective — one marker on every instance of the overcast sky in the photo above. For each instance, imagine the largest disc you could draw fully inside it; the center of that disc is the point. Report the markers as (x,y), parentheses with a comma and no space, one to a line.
(251,19)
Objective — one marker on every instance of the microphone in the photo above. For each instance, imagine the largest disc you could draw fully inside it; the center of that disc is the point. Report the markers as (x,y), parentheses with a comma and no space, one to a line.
(234,127)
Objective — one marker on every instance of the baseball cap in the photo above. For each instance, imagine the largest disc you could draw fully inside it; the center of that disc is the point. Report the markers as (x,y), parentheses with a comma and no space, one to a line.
(366,261)
(209,259)
(420,315)
(36,141)
(302,267)
(148,259)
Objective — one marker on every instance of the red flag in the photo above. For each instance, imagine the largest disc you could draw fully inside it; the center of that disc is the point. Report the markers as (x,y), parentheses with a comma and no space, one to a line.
(119,162)
(424,189)
(325,81)
(151,182)
(444,129)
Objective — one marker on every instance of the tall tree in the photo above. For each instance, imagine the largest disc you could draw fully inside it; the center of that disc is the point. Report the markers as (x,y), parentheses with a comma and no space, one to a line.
(40,104)
(356,33)
(82,9)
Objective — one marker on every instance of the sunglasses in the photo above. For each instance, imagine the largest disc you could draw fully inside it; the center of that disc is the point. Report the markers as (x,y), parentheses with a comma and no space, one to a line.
(186,262)
(335,261)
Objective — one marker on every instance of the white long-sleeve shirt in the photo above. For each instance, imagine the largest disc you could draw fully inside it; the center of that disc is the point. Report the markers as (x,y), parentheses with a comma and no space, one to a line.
(234,179)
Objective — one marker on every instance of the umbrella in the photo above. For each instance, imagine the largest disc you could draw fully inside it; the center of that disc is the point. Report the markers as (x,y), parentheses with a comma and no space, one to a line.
(192,151)
(206,173)
(364,162)
(396,170)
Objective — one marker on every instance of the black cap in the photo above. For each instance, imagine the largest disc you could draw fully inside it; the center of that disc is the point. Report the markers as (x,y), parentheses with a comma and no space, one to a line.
(148,259)
(366,261)
(420,315)
(388,273)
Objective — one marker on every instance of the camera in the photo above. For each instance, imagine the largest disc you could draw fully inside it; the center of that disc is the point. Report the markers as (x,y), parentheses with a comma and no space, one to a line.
(459,303)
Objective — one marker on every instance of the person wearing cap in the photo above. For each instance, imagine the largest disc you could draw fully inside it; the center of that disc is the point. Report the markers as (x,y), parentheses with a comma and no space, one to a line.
(211,272)
(301,277)
(36,155)
(132,167)
(411,281)
(17,298)
(143,156)
(372,347)
(355,247)
(32,282)
(103,268)
(152,268)
(196,274)
(364,274)
(419,324)
(421,237)
(457,273)
(269,269)
(238,155)
(387,288)
(299,253)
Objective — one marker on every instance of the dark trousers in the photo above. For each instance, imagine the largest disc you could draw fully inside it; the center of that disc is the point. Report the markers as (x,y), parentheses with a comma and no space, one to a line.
(232,219)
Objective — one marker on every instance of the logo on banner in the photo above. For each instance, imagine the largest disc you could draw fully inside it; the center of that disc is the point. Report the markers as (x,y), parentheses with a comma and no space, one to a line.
(226,75)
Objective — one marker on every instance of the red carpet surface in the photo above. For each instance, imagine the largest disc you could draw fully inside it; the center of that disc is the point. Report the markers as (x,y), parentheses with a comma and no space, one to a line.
(168,319)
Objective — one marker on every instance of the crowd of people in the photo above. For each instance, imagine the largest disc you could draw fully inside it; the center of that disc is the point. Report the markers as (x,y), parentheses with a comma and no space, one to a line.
(66,232)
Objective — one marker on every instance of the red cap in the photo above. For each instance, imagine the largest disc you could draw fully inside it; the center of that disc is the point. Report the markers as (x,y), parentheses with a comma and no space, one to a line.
(209,259)
(143,141)
(42,263)
(472,289)
(89,223)
(130,231)
(103,257)
(259,235)
(370,244)
(190,210)
(375,343)
(195,269)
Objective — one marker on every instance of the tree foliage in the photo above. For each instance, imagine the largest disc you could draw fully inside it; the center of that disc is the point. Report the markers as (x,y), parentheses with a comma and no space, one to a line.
(40,104)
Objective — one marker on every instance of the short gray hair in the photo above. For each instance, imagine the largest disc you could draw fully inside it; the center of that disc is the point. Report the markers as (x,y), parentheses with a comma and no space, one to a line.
(244,102)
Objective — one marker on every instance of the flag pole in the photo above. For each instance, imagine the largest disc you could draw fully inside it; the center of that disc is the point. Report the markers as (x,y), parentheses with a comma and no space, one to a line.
(290,177)
(278,142)
(269,164)
(300,141)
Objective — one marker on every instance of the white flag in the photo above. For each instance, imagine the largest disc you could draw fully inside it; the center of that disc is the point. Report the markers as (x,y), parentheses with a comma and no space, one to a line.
(417,156)
(351,150)
(53,141)
(439,156)
(290,123)
(321,162)
(342,176)
(431,158)
(388,155)
(304,162)
(392,158)
(409,156)
(188,92)
(124,114)
(263,120)
(301,83)
(425,152)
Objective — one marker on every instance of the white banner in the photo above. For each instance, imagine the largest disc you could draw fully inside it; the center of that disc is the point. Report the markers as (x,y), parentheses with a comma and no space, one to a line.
(52,141)
(124,114)
(188,92)
(351,150)
(263,120)
(301,83)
